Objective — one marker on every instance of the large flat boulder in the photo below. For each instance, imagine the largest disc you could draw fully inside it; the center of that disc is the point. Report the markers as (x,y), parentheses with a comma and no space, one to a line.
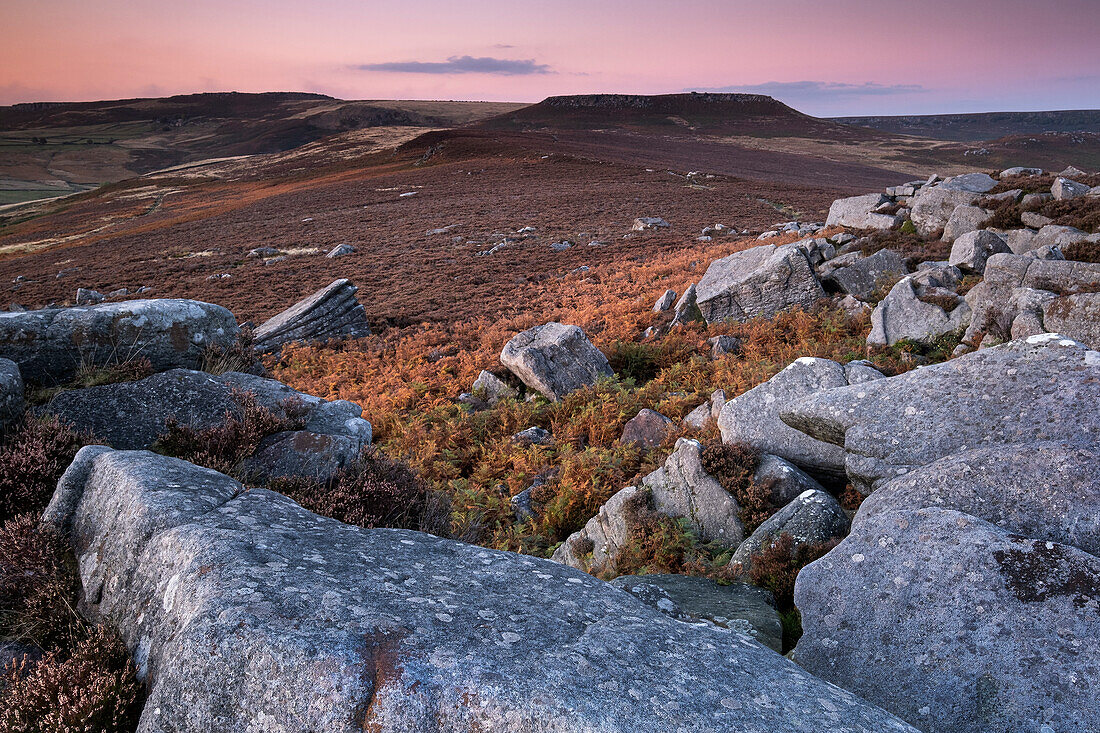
(52,345)
(1027,390)
(333,312)
(752,418)
(555,359)
(933,206)
(245,612)
(757,282)
(956,625)
(859,212)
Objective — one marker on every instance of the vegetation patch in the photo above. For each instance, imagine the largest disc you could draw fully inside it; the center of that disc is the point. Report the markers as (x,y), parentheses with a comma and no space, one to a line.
(33,455)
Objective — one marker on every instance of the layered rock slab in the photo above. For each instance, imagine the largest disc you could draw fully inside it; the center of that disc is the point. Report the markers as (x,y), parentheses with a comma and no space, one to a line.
(245,612)
(332,312)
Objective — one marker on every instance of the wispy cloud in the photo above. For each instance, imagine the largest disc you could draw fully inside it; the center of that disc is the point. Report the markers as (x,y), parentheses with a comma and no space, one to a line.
(463,65)
(819,90)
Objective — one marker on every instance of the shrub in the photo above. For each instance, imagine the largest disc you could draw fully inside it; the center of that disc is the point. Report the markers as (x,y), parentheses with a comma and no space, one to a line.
(1082,251)
(375,491)
(776,567)
(237,357)
(33,455)
(92,690)
(656,544)
(733,467)
(38,585)
(224,446)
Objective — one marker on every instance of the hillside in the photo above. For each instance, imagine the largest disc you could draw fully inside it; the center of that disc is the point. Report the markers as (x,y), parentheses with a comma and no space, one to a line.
(983,126)
(50,149)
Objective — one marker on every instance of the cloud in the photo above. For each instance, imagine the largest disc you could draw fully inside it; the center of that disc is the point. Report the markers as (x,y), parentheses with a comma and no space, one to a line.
(503,45)
(463,65)
(820,90)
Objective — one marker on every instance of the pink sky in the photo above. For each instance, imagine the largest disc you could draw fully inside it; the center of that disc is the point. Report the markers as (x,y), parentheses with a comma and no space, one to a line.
(822,56)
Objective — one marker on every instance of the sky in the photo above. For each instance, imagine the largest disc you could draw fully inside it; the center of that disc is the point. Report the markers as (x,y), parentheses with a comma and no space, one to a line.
(824,57)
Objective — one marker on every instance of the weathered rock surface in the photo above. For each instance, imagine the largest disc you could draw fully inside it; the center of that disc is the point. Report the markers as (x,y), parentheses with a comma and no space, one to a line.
(643,223)
(971,250)
(753,417)
(787,481)
(724,345)
(933,207)
(687,308)
(955,624)
(1077,316)
(1049,490)
(595,547)
(52,344)
(301,454)
(936,411)
(648,429)
(858,212)
(902,316)
(245,612)
(11,393)
(132,415)
(554,359)
(682,488)
(738,606)
(331,313)
(964,219)
(867,275)
(757,282)
(665,302)
(972,182)
(493,388)
(813,517)
(1064,189)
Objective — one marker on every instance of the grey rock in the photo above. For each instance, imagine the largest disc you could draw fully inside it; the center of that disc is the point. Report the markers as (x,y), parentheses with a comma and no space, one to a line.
(687,308)
(52,344)
(554,359)
(955,624)
(300,454)
(85,296)
(330,313)
(753,417)
(263,252)
(1059,236)
(493,388)
(972,182)
(1021,171)
(648,429)
(937,275)
(699,417)
(965,219)
(813,517)
(340,250)
(786,480)
(737,606)
(1026,390)
(595,547)
(643,223)
(932,207)
(523,506)
(1019,241)
(560,246)
(757,282)
(724,346)
(1032,200)
(1076,316)
(1044,490)
(971,250)
(1064,189)
(1072,172)
(868,275)
(682,488)
(843,238)
(1034,219)
(903,316)
(11,393)
(1012,196)
(341,418)
(717,402)
(665,302)
(858,212)
(533,435)
(234,602)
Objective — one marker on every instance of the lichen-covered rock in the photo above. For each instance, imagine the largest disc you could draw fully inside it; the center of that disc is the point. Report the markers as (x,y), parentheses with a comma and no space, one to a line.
(753,417)
(956,625)
(245,612)
(903,316)
(757,282)
(786,480)
(972,182)
(300,454)
(52,344)
(739,606)
(681,488)
(1076,316)
(554,359)
(971,250)
(859,212)
(964,219)
(332,312)
(1027,390)
(648,429)
(1064,189)
(933,207)
(1047,490)
(812,518)
(11,393)
(867,275)
(493,388)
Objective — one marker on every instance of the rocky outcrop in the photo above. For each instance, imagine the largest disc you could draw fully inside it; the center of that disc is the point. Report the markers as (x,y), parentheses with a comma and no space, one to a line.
(665,302)
(1077,316)
(683,488)
(738,606)
(11,393)
(333,312)
(753,417)
(971,250)
(554,359)
(964,219)
(132,415)
(300,454)
(943,409)
(903,316)
(52,344)
(860,212)
(812,518)
(757,282)
(955,624)
(933,207)
(867,275)
(246,612)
